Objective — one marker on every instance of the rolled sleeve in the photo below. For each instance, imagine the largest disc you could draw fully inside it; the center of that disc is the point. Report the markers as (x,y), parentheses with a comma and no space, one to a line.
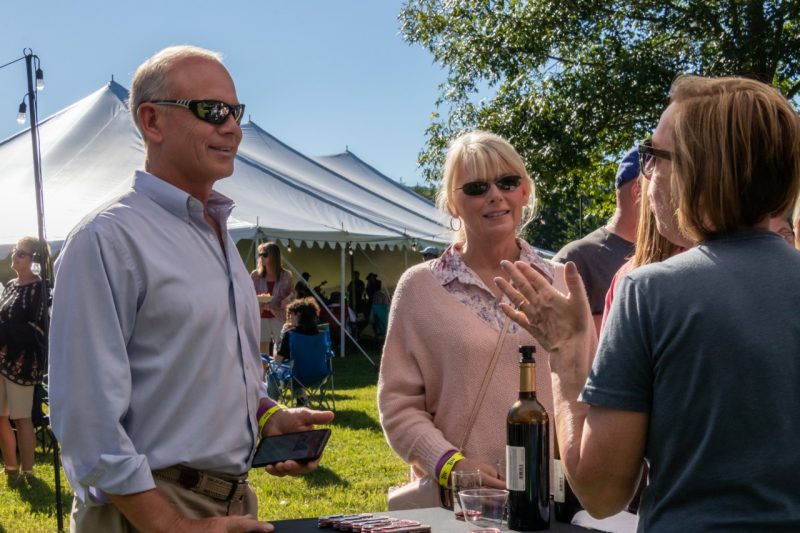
(622,374)
(94,313)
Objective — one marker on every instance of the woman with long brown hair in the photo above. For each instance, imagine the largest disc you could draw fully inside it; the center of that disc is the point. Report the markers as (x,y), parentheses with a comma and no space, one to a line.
(696,369)
(273,285)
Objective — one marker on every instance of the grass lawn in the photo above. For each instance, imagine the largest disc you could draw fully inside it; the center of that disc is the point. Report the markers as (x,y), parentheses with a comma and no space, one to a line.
(356,469)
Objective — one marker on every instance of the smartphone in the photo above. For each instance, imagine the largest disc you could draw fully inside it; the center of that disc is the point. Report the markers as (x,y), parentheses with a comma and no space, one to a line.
(302,447)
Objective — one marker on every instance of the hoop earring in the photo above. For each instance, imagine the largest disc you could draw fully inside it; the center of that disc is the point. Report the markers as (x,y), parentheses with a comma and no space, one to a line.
(460,223)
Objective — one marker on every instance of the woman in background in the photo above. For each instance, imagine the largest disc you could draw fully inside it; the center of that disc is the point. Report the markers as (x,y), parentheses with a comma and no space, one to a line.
(271,280)
(23,360)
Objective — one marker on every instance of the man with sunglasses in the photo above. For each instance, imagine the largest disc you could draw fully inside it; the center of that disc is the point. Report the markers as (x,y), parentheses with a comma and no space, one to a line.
(155,376)
(600,254)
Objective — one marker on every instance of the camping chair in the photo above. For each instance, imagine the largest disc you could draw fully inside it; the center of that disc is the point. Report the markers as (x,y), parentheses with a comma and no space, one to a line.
(279,380)
(312,367)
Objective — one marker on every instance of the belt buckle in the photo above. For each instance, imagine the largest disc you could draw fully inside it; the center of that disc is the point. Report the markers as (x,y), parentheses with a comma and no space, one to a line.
(188,478)
(234,487)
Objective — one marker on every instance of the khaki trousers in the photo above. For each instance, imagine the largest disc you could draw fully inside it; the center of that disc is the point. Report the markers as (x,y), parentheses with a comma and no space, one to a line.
(93,517)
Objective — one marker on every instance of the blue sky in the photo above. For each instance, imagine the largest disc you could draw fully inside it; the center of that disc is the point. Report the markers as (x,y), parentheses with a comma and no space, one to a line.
(319,75)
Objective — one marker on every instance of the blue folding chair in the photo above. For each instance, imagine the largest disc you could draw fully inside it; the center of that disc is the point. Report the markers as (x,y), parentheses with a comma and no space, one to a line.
(311,358)
(279,380)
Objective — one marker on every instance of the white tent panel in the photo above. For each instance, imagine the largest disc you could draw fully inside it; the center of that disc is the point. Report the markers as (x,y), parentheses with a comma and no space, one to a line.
(358,171)
(264,148)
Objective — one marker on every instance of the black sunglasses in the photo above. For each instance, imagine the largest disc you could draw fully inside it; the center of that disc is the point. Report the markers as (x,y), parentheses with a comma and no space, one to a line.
(647,157)
(211,111)
(479,188)
(20,253)
(263,254)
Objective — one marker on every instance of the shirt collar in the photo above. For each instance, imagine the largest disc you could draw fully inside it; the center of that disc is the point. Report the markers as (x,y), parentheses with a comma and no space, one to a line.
(449,266)
(177,201)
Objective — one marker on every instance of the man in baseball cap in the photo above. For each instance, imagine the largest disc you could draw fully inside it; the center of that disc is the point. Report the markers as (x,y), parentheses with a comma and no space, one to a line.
(599,255)
(430,252)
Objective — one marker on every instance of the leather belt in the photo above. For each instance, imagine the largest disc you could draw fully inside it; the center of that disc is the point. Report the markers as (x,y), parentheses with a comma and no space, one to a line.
(224,490)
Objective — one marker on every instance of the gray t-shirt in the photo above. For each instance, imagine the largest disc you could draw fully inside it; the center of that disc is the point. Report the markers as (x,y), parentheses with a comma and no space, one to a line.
(597,257)
(708,343)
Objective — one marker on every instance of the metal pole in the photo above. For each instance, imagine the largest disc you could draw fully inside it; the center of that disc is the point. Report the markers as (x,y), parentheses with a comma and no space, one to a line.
(342,310)
(43,256)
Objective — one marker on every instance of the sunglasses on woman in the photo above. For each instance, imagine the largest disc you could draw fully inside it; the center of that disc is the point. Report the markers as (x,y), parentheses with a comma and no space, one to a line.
(263,254)
(20,253)
(479,188)
(648,155)
(211,111)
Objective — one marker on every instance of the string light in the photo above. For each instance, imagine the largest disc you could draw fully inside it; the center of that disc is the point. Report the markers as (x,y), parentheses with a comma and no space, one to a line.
(39,77)
(23,109)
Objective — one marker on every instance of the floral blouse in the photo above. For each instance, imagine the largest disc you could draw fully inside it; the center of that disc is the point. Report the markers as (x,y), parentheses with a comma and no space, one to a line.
(22,347)
(463,283)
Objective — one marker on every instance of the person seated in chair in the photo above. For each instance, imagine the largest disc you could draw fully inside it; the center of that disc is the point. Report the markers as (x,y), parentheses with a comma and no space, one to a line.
(302,316)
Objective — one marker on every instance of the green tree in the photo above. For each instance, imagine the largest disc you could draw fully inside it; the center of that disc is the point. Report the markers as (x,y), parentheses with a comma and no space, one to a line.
(572,84)
(426,191)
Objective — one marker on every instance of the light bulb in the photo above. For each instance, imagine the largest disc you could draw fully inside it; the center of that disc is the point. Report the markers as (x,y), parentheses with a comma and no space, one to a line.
(23,109)
(39,80)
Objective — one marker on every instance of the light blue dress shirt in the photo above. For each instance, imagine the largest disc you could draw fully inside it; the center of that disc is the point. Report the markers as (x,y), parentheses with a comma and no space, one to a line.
(154,357)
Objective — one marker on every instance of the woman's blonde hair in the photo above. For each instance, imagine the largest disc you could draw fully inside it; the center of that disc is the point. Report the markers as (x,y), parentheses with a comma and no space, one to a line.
(651,246)
(737,154)
(485,155)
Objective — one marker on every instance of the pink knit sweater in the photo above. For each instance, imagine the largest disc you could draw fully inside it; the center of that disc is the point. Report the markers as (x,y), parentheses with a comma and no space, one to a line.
(434,359)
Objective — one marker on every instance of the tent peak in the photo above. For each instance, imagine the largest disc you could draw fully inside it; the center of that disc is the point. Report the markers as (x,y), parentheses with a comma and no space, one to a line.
(118,90)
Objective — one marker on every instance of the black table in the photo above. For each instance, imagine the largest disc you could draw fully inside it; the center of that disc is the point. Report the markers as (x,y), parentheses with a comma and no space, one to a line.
(440,520)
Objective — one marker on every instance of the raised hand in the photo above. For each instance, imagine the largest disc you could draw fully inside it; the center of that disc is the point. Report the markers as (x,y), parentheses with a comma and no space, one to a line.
(552,318)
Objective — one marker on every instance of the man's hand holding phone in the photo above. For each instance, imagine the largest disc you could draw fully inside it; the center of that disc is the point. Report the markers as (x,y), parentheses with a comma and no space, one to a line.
(293,421)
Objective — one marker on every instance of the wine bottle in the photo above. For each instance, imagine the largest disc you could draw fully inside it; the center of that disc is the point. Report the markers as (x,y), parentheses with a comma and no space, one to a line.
(565,503)
(528,453)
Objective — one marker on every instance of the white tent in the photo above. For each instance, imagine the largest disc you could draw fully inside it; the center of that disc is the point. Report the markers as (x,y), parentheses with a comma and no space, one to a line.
(91,149)
(358,171)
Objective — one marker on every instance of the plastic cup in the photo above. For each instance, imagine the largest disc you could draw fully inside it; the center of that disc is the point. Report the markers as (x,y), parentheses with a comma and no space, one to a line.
(463,480)
(484,509)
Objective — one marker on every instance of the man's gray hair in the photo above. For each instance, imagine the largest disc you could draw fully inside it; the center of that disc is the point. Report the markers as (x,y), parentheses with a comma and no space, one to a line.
(151,80)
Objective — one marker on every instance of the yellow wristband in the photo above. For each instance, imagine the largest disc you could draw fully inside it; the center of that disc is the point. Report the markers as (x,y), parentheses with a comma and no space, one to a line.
(444,473)
(265,417)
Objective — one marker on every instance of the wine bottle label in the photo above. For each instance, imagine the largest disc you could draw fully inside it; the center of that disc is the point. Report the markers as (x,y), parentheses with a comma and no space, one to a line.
(559,491)
(515,467)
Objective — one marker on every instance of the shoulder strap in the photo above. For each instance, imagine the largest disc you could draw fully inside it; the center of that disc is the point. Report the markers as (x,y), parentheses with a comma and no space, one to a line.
(559,282)
(485,384)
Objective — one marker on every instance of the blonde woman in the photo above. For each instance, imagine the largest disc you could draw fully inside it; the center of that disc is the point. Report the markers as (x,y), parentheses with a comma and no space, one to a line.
(271,281)
(445,325)
(22,357)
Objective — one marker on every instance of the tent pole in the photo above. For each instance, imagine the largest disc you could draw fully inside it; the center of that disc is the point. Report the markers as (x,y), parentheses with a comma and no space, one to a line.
(342,309)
